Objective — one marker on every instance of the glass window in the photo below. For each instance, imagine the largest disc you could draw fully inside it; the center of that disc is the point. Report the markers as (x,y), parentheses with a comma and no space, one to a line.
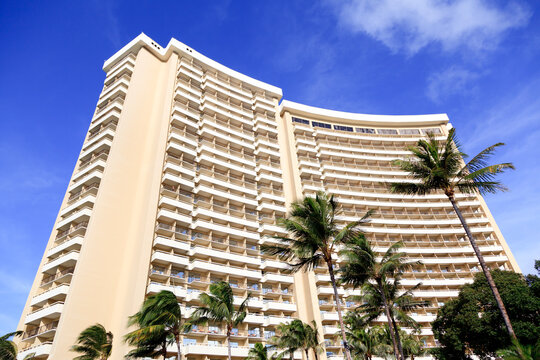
(300,121)
(431,131)
(365,130)
(409,131)
(189,341)
(387,131)
(320,124)
(343,128)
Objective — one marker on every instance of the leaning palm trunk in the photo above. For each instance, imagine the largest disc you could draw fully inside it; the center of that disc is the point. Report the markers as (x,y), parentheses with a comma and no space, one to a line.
(307,353)
(229,344)
(338,307)
(490,281)
(398,339)
(389,320)
(179,354)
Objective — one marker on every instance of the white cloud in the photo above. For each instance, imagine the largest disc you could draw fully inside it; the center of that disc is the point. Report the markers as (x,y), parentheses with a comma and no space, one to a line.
(410,25)
(452,81)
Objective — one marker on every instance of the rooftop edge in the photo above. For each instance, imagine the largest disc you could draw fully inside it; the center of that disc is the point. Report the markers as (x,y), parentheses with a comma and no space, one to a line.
(347,117)
(174,45)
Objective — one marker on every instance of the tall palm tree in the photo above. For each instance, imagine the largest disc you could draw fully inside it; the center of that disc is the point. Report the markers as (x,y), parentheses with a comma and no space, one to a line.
(315,235)
(258,352)
(291,338)
(381,295)
(438,166)
(412,345)
(366,341)
(159,323)
(218,307)
(93,343)
(312,339)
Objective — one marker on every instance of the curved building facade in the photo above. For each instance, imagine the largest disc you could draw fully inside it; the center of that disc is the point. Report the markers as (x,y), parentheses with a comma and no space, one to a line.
(186,167)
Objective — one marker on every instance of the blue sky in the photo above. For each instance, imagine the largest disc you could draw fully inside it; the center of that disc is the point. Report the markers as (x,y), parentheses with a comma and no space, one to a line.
(476,60)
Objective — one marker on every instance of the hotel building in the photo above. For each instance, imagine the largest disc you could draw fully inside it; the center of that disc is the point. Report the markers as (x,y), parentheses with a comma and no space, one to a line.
(186,166)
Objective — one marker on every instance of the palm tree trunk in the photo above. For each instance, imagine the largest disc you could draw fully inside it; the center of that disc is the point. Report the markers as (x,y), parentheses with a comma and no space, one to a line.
(338,307)
(164,350)
(389,320)
(229,343)
(398,339)
(177,338)
(307,353)
(490,281)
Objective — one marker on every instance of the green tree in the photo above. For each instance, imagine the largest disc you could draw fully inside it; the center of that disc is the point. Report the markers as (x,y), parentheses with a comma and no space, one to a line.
(531,352)
(315,236)
(292,337)
(258,352)
(412,345)
(159,323)
(218,307)
(8,348)
(365,341)
(312,339)
(471,323)
(438,166)
(93,343)
(382,294)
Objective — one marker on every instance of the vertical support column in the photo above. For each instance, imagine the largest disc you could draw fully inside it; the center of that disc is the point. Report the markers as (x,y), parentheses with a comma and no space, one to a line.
(112,270)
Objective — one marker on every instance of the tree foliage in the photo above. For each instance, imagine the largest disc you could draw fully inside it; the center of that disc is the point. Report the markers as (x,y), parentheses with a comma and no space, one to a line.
(471,323)
(93,343)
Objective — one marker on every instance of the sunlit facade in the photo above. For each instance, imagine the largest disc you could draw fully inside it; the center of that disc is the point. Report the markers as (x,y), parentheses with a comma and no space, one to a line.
(186,167)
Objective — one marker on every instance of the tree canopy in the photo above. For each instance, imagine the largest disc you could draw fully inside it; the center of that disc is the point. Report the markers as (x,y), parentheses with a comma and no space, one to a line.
(471,323)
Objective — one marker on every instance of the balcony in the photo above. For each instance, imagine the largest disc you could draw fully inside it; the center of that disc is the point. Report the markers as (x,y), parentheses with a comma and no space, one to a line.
(38,350)
(82,214)
(72,243)
(63,276)
(45,331)
(56,293)
(51,312)
(224,269)
(154,288)
(277,278)
(164,257)
(67,260)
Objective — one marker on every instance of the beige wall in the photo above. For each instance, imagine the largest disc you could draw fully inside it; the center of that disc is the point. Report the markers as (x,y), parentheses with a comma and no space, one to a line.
(123,222)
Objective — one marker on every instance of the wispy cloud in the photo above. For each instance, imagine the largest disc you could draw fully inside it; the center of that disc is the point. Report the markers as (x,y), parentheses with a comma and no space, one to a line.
(410,25)
(452,81)
(514,120)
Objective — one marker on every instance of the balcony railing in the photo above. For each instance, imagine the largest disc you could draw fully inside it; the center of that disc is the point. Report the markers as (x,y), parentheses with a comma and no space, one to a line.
(51,278)
(40,330)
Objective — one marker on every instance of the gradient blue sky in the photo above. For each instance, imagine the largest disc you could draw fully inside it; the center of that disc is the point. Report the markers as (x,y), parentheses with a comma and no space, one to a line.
(476,60)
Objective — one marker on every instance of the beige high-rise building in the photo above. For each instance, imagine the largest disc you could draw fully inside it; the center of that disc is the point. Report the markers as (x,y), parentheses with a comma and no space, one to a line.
(186,166)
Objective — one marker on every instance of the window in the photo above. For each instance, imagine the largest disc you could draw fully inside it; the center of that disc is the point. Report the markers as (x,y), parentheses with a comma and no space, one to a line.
(365,130)
(343,128)
(387,131)
(431,131)
(409,132)
(320,124)
(213,343)
(189,341)
(300,121)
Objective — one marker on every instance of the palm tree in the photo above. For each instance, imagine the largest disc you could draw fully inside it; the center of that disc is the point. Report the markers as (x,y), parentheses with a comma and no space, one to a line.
(381,295)
(258,352)
(412,345)
(159,323)
(365,341)
(312,339)
(519,352)
(438,166)
(218,307)
(8,348)
(93,343)
(315,236)
(291,338)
